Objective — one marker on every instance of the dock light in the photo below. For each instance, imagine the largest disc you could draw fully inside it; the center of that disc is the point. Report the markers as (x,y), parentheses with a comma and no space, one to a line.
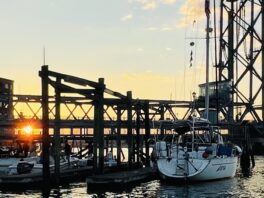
(28,130)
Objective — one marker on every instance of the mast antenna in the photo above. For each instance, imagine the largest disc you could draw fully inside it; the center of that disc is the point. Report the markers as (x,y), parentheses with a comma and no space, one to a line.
(44,55)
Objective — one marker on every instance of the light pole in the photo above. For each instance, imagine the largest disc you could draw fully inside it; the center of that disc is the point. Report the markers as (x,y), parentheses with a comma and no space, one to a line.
(193,110)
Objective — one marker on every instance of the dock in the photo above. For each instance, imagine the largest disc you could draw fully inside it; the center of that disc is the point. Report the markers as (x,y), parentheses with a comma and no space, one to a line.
(36,179)
(122,179)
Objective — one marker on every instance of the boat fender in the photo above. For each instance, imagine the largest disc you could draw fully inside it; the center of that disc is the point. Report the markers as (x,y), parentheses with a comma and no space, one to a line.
(169,159)
(238,150)
(205,154)
(209,150)
(24,167)
(168,148)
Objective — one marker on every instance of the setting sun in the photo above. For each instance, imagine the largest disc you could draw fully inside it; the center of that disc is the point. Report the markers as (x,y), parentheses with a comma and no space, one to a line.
(28,130)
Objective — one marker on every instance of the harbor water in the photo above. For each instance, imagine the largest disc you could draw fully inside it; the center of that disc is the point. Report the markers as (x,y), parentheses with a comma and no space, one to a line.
(239,187)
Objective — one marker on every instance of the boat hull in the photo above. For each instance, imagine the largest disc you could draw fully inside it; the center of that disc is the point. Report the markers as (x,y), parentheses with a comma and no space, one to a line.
(198,169)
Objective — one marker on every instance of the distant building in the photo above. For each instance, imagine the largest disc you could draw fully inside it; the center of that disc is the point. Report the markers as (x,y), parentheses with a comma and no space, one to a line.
(219,92)
(223,95)
(6,93)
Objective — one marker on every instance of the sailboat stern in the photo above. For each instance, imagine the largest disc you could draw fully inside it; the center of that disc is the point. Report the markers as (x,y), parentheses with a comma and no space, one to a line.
(180,168)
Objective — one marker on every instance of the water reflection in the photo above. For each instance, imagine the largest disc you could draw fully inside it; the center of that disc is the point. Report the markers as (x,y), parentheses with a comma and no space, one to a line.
(220,188)
(239,186)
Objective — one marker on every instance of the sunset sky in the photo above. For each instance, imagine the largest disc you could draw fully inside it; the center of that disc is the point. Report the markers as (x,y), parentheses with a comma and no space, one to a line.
(137,45)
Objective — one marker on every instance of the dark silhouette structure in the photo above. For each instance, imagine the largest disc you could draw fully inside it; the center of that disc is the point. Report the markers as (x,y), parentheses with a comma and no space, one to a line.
(247,161)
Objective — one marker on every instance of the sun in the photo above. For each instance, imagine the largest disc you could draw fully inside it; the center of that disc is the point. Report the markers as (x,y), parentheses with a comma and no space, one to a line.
(28,130)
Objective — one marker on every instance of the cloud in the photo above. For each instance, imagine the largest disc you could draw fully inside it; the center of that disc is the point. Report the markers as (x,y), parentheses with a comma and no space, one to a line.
(168,1)
(151,4)
(166,29)
(190,11)
(152,28)
(127,17)
(163,28)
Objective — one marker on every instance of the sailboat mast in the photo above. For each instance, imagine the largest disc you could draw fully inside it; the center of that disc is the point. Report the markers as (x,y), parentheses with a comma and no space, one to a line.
(207,12)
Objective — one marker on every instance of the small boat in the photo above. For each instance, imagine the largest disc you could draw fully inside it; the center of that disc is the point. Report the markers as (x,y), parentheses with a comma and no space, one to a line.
(10,155)
(196,152)
(34,165)
(109,160)
(6,162)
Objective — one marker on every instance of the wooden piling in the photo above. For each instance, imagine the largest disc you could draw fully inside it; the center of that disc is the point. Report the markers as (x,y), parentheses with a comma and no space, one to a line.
(118,138)
(162,117)
(138,134)
(129,127)
(99,126)
(147,132)
(56,137)
(45,124)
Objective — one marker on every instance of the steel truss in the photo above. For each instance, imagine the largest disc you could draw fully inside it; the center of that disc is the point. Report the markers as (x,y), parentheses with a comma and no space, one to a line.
(241,59)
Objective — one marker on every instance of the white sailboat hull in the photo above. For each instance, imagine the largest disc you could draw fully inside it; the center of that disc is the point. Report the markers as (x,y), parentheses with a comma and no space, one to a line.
(198,155)
(197,169)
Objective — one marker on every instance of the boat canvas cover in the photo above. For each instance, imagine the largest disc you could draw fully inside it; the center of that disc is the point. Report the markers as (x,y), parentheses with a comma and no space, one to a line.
(183,126)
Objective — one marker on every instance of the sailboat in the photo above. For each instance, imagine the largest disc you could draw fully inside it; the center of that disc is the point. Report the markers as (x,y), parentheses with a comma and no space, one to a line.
(195,150)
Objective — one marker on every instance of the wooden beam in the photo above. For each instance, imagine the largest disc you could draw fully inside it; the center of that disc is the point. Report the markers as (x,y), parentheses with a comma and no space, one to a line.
(75,80)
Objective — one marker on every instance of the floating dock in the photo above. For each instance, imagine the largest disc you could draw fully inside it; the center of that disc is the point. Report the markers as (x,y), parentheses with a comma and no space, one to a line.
(122,179)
